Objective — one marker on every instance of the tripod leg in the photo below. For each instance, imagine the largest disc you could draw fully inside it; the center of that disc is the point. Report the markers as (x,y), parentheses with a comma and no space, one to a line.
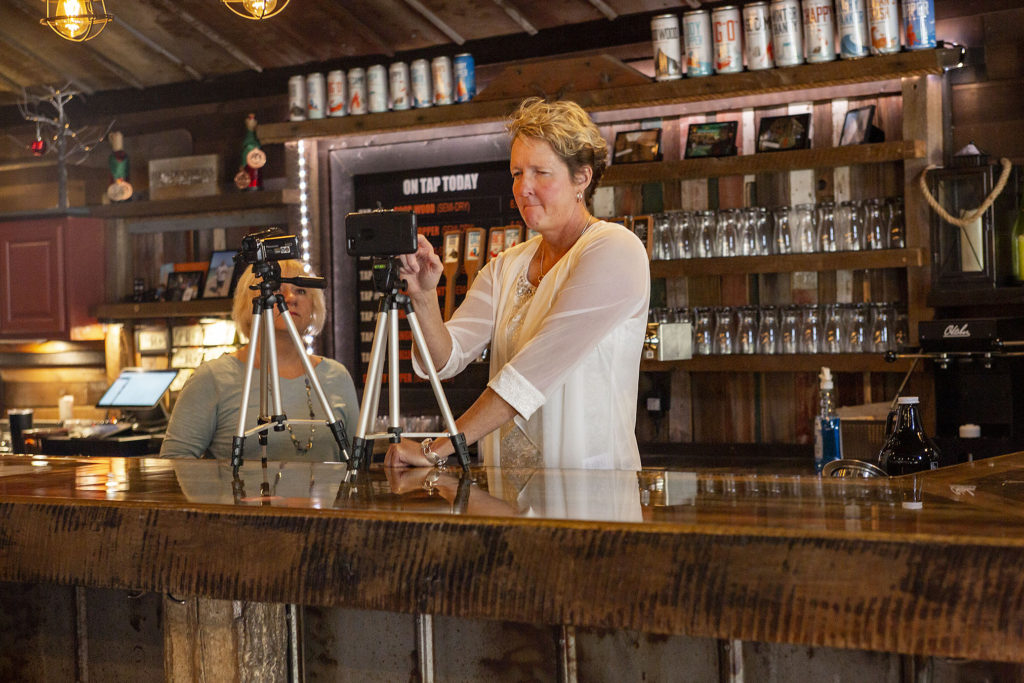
(238,441)
(394,409)
(368,410)
(275,380)
(457,438)
(336,425)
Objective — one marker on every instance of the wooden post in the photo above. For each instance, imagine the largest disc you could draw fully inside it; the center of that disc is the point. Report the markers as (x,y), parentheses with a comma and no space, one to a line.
(224,640)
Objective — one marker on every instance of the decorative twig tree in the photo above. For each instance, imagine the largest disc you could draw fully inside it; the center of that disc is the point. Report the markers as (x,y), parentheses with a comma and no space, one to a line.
(72,146)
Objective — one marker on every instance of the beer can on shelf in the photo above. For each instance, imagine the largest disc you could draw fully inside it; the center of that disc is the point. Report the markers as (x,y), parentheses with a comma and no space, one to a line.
(883,26)
(757,37)
(852,22)
(725,37)
(464,73)
(918,24)
(377,89)
(786,36)
(819,31)
(419,75)
(337,93)
(398,81)
(356,90)
(667,49)
(316,96)
(441,77)
(697,42)
(297,98)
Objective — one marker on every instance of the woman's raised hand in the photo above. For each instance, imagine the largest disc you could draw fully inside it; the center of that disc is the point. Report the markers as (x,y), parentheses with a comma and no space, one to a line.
(421,270)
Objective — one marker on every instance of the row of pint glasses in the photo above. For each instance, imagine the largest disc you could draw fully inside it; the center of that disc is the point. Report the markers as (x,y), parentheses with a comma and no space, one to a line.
(397,87)
(763,35)
(795,328)
(854,225)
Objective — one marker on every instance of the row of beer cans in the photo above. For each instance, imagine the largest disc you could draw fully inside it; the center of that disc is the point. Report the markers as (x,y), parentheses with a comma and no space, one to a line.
(762,35)
(396,87)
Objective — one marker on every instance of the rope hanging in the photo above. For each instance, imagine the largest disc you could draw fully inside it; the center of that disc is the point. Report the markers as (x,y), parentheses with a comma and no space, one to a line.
(970,216)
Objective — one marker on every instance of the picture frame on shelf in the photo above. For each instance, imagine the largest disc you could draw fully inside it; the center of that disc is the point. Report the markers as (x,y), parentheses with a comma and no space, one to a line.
(221,275)
(858,127)
(184,285)
(784,133)
(637,146)
(713,139)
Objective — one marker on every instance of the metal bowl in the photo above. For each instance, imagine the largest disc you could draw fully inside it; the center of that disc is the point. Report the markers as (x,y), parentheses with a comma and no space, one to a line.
(846,467)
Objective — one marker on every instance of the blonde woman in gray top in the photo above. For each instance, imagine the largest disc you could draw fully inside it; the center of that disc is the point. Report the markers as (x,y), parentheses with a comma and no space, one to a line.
(205,416)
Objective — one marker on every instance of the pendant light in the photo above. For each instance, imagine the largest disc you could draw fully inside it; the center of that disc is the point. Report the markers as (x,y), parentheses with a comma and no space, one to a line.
(76,20)
(256,9)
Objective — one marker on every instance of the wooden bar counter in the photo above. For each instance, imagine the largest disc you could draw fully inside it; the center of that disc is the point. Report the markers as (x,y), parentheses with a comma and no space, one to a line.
(857,564)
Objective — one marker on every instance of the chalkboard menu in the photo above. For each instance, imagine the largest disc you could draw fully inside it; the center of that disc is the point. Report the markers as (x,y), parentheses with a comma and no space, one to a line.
(451,204)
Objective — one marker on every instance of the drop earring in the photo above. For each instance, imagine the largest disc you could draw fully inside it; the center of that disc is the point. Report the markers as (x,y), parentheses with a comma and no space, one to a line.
(579,197)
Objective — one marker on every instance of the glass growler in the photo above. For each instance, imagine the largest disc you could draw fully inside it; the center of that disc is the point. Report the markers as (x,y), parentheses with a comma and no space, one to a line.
(907,449)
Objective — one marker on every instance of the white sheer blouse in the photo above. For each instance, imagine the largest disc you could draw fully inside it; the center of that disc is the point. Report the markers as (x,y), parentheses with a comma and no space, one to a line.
(571,367)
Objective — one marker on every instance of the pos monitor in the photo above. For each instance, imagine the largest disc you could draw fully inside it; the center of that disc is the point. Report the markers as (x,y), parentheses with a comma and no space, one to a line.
(137,393)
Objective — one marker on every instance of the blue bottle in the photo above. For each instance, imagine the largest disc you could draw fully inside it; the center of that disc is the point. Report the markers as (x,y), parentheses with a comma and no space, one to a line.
(828,439)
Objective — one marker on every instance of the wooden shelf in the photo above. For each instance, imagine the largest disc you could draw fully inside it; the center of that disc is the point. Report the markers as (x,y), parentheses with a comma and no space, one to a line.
(791,263)
(234,201)
(156,310)
(837,362)
(685,169)
(803,77)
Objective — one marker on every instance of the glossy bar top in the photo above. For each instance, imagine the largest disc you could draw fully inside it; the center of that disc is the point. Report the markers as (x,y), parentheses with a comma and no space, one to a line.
(932,565)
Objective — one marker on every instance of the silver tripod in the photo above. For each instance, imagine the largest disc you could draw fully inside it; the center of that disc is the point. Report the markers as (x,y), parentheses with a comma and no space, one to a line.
(385,340)
(270,384)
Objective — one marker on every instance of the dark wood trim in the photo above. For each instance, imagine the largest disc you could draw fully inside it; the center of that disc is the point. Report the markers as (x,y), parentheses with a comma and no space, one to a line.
(791,263)
(234,201)
(827,157)
(156,310)
(811,362)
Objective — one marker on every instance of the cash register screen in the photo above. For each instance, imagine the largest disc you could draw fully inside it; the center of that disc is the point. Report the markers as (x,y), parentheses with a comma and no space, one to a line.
(137,389)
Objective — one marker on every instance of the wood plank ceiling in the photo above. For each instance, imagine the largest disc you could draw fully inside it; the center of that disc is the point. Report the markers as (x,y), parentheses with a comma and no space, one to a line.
(153,43)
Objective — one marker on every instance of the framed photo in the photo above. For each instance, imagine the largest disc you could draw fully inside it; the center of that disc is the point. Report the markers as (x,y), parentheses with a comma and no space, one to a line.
(781,133)
(636,146)
(711,140)
(220,276)
(184,285)
(857,126)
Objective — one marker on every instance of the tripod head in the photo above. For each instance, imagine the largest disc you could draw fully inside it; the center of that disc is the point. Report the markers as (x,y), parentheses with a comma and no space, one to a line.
(385,275)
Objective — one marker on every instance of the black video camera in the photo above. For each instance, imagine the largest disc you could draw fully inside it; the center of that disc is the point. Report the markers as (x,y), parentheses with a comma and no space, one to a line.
(380,233)
(261,247)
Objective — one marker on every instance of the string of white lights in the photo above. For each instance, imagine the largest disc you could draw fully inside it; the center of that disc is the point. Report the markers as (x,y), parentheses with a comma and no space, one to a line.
(304,222)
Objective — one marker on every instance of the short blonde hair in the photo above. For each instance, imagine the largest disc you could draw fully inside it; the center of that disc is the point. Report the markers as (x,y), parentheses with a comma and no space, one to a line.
(568,129)
(241,308)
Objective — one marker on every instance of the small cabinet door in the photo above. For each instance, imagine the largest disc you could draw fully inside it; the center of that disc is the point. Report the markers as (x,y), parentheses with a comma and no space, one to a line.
(32,286)
(51,274)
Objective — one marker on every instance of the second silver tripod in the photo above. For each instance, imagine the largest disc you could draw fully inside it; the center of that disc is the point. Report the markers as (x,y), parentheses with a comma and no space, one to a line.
(385,339)
(263,305)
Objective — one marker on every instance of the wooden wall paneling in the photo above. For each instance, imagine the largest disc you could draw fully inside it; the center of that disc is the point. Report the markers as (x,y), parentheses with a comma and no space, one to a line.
(723,409)
(41,388)
(778,408)
(680,417)
(1004,46)
(922,120)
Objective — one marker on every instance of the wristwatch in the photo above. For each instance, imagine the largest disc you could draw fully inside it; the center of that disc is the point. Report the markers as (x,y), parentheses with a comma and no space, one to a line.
(431,455)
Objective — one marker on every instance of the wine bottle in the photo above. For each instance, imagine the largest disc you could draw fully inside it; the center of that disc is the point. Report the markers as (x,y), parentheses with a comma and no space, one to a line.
(907,449)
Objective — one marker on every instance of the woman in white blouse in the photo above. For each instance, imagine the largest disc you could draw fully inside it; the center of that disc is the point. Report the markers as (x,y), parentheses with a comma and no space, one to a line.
(564,314)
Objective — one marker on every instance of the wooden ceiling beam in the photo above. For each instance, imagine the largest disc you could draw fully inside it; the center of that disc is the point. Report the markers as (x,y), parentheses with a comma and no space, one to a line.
(204,29)
(516,16)
(149,42)
(347,18)
(36,57)
(604,9)
(436,21)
